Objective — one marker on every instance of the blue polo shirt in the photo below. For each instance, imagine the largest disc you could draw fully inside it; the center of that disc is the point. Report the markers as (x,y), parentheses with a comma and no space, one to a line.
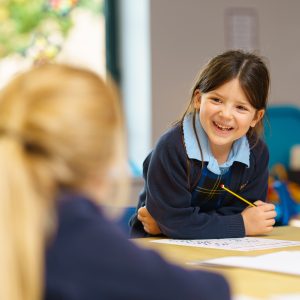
(240,150)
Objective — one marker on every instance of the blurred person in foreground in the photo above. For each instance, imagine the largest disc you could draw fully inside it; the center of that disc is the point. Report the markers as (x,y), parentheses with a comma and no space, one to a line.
(62,156)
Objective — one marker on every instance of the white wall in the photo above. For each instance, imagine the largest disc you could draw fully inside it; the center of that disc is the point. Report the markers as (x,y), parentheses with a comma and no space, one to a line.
(185,34)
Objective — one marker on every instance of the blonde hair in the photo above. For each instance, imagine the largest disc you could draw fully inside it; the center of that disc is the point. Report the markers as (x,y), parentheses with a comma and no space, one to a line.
(59,126)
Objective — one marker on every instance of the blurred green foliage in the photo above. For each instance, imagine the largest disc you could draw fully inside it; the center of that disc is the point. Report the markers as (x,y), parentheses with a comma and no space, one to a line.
(20,19)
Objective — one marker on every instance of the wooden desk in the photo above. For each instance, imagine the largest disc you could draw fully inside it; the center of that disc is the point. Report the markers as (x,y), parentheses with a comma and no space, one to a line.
(248,282)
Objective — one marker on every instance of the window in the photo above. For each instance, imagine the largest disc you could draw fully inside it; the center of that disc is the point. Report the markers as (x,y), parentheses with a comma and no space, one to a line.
(51,30)
(136,78)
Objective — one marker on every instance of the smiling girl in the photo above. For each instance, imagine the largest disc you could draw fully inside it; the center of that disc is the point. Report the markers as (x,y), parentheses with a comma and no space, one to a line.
(217,141)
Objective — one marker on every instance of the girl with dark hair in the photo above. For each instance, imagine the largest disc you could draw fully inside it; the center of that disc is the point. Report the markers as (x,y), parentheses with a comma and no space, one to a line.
(217,141)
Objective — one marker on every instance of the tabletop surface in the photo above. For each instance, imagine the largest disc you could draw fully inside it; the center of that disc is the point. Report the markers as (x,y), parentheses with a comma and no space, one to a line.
(254,283)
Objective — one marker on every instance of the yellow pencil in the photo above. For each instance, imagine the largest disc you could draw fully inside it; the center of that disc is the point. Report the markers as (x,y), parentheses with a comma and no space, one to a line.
(236,195)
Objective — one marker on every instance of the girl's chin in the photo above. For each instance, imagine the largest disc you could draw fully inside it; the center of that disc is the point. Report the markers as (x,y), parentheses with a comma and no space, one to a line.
(220,140)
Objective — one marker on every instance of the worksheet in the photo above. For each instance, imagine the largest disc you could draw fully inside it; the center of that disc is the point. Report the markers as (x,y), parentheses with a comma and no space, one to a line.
(238,244)
(283,262)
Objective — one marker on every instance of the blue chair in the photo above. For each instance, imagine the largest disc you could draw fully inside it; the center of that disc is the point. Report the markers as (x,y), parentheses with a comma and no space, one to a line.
(282,131)
(287,208)
(123,221)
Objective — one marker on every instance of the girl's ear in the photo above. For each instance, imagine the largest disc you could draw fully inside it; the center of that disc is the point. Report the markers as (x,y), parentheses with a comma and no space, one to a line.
(197,99)
(258,116)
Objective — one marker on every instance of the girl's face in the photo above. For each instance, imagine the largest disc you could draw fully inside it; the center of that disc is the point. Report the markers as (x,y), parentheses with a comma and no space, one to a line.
(226,115)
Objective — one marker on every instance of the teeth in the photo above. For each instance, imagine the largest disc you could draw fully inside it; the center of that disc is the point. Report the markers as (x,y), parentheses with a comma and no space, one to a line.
(223,127)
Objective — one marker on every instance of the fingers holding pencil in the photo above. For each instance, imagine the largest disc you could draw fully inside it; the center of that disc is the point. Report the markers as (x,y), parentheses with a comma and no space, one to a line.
(258,217)
(267,206)
(258,220)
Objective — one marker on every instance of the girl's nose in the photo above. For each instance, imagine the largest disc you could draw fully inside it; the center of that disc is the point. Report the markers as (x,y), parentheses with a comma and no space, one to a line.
(226,112)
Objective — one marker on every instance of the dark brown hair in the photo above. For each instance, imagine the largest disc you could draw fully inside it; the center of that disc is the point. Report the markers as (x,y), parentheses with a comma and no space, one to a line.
(248,68)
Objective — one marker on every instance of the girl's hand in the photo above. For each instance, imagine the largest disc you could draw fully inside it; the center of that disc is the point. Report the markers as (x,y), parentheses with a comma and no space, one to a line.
(148,222)
(260,219)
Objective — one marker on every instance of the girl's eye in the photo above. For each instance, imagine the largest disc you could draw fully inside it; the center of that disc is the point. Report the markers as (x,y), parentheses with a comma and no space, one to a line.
(243,108)
(217,100)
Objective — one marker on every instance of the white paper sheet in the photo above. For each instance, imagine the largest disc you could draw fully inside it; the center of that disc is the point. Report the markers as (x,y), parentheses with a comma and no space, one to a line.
(283,262)
(273,297)
(285,297)
(238,244)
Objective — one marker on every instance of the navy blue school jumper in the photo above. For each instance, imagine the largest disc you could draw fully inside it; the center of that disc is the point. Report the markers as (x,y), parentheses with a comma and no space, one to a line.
(90,259)
(188,204)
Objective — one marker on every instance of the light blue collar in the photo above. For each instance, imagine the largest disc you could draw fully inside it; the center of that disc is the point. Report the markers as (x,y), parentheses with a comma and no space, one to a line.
(239,152)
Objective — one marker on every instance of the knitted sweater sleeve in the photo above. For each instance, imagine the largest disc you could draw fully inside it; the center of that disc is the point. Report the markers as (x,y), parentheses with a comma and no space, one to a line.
(168,197)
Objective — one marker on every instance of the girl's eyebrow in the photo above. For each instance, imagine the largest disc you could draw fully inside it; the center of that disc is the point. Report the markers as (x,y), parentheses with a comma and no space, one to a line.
(217,94)
(243,103)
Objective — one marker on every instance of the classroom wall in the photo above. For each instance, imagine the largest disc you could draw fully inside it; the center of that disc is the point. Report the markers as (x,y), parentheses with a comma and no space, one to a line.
(185,34)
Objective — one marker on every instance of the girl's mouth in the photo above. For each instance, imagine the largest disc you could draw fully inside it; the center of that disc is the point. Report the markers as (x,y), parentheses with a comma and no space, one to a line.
(222,127)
